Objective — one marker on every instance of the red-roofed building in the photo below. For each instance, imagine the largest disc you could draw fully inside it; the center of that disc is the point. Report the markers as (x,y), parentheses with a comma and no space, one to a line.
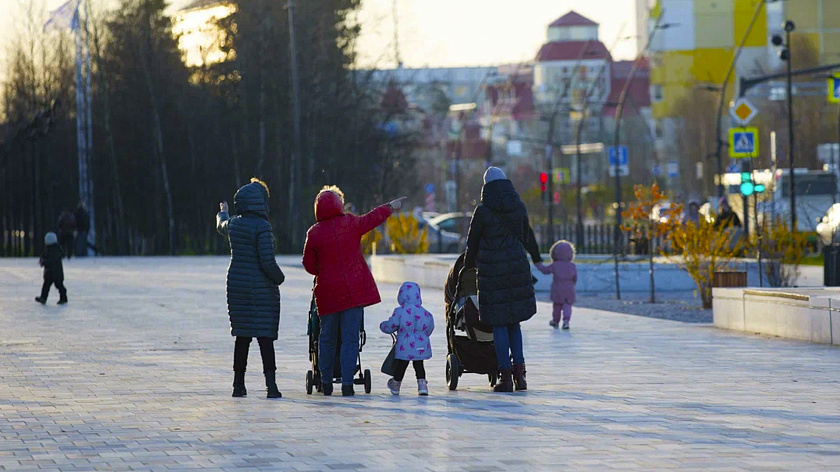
(572,18)
(570,63)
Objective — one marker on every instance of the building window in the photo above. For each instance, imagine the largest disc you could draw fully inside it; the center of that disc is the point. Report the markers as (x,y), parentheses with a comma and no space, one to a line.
(656,92)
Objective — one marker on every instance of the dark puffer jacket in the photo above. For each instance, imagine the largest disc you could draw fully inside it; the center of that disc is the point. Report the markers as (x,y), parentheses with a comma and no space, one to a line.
(51,262)
(496,246)
(253,297)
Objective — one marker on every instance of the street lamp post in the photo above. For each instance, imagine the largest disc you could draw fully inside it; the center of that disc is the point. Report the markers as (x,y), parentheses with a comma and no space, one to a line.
(578,137)
(619,111)
(785,55)
(549,145)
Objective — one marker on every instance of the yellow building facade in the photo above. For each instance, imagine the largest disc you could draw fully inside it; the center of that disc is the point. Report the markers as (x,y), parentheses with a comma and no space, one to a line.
(701,37)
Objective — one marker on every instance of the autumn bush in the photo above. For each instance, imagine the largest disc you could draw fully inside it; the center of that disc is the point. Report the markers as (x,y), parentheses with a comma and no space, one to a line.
(406,236)
(782,251)
(369,240)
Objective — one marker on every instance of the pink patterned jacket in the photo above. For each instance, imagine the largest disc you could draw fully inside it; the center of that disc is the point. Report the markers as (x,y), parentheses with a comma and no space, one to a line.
(413,325)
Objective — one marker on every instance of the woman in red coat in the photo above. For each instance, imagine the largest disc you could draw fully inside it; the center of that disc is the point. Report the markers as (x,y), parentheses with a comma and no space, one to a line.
(344,284)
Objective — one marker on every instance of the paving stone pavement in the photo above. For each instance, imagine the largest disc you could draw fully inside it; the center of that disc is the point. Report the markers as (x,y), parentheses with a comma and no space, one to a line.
(135,374)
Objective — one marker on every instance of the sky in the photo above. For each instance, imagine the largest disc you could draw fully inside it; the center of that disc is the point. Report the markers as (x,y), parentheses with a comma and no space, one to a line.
(439,32)
(480,32)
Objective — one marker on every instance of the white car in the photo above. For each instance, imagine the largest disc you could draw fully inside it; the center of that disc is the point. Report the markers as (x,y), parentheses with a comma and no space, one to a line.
(828,225)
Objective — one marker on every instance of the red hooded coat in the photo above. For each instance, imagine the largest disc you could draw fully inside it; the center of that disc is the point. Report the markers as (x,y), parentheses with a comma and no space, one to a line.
(333,254)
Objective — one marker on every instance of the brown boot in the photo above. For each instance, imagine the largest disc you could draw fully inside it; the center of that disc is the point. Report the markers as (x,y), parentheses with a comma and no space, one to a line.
(519,377)
(505,383)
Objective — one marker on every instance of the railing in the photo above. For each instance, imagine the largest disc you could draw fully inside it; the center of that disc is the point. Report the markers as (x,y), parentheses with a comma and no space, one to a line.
(596,239)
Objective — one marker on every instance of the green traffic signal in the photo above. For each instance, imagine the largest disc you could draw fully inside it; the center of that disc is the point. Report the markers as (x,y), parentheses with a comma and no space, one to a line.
(747,189)
(760,188)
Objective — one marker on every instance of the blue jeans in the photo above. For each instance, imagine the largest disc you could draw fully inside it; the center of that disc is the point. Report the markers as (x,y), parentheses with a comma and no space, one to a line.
(508,342)
(350,322)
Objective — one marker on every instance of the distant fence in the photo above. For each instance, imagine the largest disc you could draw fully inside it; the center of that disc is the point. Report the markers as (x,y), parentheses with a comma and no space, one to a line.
(595,239)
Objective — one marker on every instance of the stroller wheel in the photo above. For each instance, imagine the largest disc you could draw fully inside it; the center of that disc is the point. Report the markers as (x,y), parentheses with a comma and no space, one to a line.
(493,378)
(309,383)
(453,371)
(368,381)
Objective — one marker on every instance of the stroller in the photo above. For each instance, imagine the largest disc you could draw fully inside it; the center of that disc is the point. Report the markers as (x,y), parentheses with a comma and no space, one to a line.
(472,352)
(313,376)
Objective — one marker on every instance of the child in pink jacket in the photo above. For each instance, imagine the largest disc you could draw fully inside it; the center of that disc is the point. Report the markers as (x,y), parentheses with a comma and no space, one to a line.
(412,325)
(563,281)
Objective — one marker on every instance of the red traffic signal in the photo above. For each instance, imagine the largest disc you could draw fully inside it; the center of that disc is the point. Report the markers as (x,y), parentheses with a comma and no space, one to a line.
(544,177)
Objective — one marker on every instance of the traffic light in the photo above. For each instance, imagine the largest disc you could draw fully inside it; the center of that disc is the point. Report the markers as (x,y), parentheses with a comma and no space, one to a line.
(760,188)
(544,188)
(747,185)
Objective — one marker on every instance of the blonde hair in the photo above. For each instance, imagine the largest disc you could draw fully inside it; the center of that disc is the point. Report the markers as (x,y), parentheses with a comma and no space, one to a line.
(334,189)
(265,185)
(330,188)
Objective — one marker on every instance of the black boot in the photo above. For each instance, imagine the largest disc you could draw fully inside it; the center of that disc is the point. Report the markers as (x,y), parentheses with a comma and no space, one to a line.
(327,389)
(271,386)
(505,383)
(347,390)
(41,300)
(519,377)
(239,384)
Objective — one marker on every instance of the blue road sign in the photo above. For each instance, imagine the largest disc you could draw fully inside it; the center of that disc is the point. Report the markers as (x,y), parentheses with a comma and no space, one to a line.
(834,89)
(622,157)
(732,168)
(430,188)
(656,170)
(743,142)
(673,169)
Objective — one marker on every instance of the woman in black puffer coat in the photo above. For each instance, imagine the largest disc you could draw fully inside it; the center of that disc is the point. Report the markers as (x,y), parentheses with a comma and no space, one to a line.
(499,241)
(253,277)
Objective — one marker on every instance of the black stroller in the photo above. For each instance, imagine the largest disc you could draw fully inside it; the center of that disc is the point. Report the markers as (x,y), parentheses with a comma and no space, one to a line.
(472,352)
(313,376)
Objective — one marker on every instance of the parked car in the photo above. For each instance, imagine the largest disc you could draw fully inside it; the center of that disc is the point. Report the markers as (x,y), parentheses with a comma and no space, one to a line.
(443,242)
(458,223)
(663,212)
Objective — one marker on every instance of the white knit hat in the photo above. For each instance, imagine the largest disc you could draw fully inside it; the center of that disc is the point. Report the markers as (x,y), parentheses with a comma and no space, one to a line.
(50,238)
(494,173)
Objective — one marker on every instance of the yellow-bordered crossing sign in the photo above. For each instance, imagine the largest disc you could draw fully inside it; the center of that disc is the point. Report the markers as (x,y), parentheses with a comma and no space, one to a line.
(743,142)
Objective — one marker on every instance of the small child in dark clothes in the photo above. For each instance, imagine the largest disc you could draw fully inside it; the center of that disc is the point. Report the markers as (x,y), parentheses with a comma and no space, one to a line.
(53,269)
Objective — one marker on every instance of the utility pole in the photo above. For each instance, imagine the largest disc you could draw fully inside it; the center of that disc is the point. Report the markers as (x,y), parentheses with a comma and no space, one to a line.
(789,27)
(723,87)
(294,187)
(549,144)
(619,111)
(579,136)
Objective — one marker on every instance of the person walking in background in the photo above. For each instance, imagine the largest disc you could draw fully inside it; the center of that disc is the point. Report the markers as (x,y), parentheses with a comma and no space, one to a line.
(66,229)
(563,281)
(253,279)
(726,218)
(498,243)
(413,325)
(344,285)
(82,218)
(53,269)
(693,214)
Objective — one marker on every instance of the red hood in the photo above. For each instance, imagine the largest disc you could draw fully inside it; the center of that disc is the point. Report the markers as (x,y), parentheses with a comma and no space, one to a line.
(328,205)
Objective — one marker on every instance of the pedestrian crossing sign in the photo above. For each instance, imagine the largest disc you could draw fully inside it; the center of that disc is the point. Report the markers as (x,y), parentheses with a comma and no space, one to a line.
(834,89)
(743,142)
